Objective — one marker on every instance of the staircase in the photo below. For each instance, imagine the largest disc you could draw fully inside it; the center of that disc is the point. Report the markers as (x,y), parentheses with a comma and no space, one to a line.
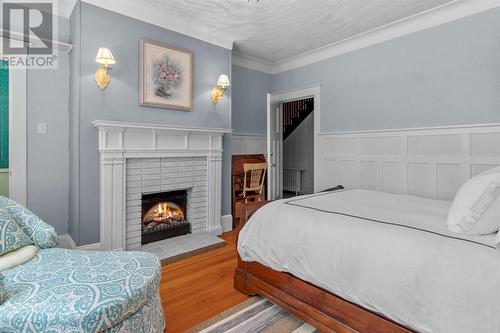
(294,113)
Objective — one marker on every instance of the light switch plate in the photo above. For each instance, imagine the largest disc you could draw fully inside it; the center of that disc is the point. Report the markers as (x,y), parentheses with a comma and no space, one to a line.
(42,128)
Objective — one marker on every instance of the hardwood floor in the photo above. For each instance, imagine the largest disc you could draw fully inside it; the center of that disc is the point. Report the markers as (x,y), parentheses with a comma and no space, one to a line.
(200,287)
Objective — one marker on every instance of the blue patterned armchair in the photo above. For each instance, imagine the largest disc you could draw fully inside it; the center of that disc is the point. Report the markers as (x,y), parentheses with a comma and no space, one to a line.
(62,290)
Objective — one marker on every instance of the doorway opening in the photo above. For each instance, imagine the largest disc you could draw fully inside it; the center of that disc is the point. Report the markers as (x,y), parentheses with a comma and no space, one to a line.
(292,142)
(298,147)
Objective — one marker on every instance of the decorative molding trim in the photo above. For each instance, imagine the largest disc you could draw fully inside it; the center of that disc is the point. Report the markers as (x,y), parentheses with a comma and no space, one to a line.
(253,63)
(428,162)
(428,19)
(303,92)
(74,130)
(120,126)
(411,129)
(119,141)
(227,222)
(140,11)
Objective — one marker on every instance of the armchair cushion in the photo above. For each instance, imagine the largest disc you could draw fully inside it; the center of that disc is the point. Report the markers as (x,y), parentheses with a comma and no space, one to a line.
(2,288)
(42,234)
(12,237)
(82,291)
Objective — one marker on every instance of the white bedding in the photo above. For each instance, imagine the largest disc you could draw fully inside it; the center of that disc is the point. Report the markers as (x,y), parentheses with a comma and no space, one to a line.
(402,262)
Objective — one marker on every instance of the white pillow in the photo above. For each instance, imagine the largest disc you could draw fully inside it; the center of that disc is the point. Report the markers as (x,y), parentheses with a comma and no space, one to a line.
(476,207)
(17,257)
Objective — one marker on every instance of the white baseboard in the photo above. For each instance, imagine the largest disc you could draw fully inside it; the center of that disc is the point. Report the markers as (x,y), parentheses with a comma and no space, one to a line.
(90,247)
(216,231)
(67,242)
(227,222)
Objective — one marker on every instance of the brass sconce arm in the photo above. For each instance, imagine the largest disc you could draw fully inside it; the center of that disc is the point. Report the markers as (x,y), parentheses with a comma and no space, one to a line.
(220,88)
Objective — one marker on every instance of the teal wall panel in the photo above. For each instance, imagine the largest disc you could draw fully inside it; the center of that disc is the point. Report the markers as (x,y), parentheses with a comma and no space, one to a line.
(4,115)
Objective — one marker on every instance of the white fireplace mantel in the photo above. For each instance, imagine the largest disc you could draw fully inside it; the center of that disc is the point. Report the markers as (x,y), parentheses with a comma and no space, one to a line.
(121,140)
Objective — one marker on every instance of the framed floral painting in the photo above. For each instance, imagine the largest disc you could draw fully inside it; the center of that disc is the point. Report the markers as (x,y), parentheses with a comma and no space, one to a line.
(166,76)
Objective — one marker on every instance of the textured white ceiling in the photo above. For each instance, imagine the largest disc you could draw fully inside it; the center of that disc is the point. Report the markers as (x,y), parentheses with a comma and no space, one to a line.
(276,30)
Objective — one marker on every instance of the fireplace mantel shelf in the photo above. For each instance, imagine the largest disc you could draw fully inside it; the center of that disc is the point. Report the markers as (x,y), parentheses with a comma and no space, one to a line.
(119,125)
(119,141)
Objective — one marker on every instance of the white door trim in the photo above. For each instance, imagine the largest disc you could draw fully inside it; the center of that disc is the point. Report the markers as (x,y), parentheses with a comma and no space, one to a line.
(17,135)
(311,91)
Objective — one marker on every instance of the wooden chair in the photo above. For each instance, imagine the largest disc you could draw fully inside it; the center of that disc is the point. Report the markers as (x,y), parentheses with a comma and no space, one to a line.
(253,181)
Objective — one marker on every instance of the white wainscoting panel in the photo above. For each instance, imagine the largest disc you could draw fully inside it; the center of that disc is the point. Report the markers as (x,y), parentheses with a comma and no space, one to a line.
(247,144)
(429,162)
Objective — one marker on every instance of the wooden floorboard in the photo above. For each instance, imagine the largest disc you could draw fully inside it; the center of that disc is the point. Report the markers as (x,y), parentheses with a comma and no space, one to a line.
(200,287)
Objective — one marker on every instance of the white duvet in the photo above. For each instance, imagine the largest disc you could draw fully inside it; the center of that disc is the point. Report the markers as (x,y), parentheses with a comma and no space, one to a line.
(388,253)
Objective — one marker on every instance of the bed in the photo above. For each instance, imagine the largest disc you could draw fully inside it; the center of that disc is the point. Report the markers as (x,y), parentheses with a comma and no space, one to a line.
(366,261)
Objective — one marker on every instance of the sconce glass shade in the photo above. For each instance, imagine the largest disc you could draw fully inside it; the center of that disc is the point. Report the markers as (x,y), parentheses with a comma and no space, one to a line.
(105,57)
(223,81)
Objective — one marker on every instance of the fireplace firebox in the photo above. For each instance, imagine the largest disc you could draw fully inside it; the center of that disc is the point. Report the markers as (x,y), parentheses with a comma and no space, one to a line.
(164,216)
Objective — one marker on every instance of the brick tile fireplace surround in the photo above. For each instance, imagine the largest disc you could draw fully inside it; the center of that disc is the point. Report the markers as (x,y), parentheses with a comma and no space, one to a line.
(138,159)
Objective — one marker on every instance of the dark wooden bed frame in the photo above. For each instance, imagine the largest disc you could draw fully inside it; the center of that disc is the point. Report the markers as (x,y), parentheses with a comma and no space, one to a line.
(320,308)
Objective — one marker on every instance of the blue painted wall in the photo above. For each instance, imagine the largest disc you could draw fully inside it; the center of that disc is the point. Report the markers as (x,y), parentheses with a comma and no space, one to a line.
(102,28)
(445,75)
(47,165)
(249,102)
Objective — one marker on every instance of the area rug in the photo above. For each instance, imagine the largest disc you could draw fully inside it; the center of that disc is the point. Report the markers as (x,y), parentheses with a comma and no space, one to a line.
(257,315)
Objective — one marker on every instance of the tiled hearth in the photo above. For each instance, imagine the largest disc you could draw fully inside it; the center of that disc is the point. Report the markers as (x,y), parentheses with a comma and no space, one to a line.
(180,247)
(138,159)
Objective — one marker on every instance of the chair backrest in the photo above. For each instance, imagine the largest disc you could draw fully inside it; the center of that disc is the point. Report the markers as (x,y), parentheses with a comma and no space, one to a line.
(255,173)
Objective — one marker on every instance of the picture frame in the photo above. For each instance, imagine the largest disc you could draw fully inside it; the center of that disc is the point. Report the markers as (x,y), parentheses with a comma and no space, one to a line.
(165,76)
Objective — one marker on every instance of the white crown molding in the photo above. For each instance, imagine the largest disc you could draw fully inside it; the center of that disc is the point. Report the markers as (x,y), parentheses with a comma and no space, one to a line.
(250,62)
(425,20)
(428,19)
(140,11)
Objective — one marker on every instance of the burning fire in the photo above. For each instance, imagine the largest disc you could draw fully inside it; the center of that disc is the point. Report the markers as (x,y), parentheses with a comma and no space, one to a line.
(164,212)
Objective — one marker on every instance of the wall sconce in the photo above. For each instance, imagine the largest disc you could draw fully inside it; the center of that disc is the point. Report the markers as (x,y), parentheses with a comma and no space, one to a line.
(105,58)
(219,88)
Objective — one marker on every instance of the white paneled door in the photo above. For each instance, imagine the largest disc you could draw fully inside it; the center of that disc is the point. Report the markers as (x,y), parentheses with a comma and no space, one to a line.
(274,142)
